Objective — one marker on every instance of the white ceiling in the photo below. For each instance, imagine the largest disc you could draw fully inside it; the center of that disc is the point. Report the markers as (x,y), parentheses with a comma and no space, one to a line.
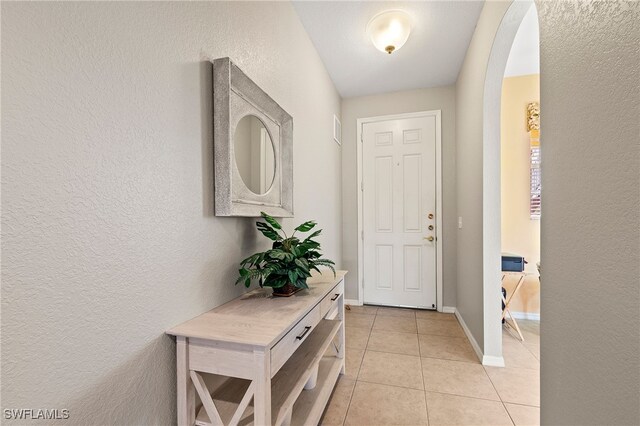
(431,57)
(524,57)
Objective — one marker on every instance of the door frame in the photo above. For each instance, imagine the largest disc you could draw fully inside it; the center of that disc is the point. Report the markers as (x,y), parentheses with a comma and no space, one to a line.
(359,152)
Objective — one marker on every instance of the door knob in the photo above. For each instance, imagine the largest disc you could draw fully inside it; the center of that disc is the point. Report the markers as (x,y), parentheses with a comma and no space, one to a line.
(429,238)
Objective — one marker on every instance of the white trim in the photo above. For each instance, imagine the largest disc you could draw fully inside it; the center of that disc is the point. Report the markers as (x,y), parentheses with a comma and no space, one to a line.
(491,174)
(448,309)
(439,226)
(352,302)
(535,316)
(472,339)
(439,270)
(492,361)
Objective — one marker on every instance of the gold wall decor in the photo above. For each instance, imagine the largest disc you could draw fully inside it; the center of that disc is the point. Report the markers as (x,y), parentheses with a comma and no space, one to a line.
(533,116)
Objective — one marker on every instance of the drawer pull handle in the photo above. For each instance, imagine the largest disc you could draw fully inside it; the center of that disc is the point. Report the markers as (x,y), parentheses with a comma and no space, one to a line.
(304,333)
(335,297)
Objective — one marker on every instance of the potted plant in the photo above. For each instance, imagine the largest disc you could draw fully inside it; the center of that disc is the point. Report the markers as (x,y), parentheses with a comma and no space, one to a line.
(288,264)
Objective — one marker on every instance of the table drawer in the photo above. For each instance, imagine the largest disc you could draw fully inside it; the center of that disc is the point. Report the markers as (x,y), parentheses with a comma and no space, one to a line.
(331,300)
(282,350)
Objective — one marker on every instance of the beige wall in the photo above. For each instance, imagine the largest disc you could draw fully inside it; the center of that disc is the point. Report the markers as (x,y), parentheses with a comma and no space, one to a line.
(469,169)
(590,105)
(442,98)
(520,234)
(108,237)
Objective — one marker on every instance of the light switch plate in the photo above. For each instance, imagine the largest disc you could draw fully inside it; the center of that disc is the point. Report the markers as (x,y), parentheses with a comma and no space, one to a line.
(459,222)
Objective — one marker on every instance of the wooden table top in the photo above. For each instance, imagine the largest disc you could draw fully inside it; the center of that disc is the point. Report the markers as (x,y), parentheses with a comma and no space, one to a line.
(257,318)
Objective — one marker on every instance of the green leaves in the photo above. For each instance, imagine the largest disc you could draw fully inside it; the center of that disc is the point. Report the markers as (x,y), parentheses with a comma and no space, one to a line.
(306,227)
(315,234)
(288,261)
(326,262)
(246,275)
(270,220)
(253,259)
(276,282)
(268,231)
(281,255)
(302,264)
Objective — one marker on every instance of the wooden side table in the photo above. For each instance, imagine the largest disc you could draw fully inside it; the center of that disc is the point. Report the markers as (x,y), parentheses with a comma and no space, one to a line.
(262,360)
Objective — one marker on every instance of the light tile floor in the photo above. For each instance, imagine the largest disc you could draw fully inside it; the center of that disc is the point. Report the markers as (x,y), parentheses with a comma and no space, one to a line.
(411,367)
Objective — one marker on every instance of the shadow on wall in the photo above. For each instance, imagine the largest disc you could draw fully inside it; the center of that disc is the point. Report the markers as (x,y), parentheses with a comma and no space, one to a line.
(222,287)
(206,118)
(141,391)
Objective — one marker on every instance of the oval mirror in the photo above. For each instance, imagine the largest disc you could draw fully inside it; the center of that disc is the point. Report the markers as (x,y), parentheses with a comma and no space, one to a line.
(255,157)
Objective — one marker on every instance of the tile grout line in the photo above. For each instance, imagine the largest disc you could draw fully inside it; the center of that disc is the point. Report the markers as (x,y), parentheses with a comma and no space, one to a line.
(510,368)
(424,390)
(522,405)
(499,396)
(454,360)
(358,373)
(508,414)
(470,397)
(395,353)
(346,413)
(391,385)
(424,386)
(407,332)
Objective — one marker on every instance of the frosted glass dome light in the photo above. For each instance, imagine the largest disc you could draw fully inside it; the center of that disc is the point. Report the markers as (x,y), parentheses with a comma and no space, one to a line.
(389,30)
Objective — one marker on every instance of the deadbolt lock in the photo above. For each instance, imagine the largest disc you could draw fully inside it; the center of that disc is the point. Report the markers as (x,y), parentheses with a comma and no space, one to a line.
(430,227)
(430,216)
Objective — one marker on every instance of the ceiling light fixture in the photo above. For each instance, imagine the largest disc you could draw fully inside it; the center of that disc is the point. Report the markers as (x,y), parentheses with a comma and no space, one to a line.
(389,30)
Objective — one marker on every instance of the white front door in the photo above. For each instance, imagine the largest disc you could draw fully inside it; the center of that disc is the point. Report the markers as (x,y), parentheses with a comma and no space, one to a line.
(399,207)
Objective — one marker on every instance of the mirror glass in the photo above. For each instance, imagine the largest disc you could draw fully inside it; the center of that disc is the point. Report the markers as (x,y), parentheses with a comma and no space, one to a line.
(255,157)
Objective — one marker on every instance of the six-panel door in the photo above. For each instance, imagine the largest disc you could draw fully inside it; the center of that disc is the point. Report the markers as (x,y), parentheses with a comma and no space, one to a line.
(399,206)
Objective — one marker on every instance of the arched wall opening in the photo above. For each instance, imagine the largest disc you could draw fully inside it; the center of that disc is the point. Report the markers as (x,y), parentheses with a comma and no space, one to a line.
(491,201)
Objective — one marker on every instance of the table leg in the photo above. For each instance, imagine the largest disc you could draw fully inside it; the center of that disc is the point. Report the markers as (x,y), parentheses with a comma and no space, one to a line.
(262,396)
(515,325)
(186,407)
(341,352)
(506,306)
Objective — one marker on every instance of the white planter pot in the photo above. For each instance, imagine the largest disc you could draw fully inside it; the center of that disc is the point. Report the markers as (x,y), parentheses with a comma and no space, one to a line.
(313,379)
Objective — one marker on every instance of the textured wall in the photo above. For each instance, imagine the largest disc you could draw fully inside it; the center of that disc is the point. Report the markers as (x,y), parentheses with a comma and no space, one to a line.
(590,97)
(442,98)
(469,168)
(520,234)
(108,237)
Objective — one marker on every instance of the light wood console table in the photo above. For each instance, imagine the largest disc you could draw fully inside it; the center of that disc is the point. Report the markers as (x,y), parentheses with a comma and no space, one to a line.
(248,361)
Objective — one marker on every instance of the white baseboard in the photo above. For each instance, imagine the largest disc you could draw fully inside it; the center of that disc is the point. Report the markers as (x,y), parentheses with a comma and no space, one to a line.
(472,339)
(445,309)
(526,316)
(492,361)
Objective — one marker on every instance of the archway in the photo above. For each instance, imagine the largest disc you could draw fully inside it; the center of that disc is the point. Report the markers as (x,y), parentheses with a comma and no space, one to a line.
(491,202)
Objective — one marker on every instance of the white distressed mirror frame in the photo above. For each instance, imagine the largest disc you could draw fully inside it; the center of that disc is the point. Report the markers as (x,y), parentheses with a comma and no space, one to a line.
(235,96)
